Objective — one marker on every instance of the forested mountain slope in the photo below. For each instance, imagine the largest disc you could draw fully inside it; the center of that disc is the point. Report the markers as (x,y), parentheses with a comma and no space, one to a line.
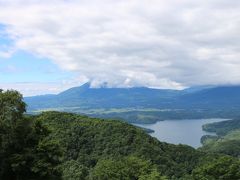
(104,149)
(88,140)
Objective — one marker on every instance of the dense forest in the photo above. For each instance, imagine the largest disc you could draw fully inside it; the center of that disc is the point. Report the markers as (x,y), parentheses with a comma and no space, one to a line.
(57,145)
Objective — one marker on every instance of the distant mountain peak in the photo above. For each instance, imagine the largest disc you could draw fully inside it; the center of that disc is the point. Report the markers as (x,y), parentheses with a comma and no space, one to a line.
(76,90)
(85,85)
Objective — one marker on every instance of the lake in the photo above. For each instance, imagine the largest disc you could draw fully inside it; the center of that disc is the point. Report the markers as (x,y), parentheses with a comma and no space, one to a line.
(180,131)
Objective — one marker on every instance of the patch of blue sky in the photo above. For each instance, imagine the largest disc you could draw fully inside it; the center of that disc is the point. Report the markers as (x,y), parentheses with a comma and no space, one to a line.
(25,67)
(4,39)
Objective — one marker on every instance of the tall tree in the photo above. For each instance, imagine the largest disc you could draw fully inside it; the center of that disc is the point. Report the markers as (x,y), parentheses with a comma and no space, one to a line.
(25,151)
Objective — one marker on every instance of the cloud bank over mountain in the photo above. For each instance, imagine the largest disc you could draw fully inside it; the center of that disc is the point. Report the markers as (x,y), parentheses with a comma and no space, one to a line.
(163,44)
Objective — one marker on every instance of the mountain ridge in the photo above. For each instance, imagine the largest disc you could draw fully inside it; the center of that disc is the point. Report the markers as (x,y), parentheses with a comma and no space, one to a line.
(196,102)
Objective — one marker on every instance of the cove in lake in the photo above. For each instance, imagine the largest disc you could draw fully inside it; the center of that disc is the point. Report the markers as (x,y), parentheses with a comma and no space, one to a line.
(180,131)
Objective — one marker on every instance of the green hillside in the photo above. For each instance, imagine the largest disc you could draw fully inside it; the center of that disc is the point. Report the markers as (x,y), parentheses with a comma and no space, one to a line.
(227,140)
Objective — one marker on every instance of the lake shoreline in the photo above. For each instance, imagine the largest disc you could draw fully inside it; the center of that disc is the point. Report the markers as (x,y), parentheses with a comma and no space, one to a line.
(184,131)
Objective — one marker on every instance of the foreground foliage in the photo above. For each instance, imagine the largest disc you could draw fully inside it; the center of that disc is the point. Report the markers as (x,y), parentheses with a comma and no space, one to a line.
(25,150)
(224,168)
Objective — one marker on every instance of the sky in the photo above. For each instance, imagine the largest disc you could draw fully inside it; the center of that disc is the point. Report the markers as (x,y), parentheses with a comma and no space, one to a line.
(49,46)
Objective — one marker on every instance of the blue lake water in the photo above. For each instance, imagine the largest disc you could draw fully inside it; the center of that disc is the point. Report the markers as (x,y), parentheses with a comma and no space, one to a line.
(180,131)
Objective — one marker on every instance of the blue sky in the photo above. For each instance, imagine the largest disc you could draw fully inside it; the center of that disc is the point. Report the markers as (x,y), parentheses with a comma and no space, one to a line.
(48,46)
(24,67)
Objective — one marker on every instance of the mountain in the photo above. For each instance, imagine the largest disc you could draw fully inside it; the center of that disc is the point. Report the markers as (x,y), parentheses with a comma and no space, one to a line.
(141,104)
(86,97)
(225,96)
(198,88)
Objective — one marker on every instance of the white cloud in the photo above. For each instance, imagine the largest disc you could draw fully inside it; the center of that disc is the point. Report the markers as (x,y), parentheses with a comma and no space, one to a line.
(29,88)
(40,88)
(157,43)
